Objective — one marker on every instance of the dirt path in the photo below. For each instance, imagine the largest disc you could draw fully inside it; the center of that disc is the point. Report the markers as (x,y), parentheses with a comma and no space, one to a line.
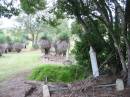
(15,87)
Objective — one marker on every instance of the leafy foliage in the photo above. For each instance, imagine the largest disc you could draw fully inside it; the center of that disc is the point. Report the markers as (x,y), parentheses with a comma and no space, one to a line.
(7,9)
(63,36)
(30,6)
(56,73)
(86,12)
(2,37)
(105,53)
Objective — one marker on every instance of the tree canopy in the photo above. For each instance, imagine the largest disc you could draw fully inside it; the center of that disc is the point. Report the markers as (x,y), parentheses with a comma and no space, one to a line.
(111,14)
(30,6)
(7,9)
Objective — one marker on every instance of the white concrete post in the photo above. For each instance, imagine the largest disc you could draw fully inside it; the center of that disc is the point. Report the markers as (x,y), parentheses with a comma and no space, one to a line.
(93,58)
(46,92)
(119,85)
(67,54)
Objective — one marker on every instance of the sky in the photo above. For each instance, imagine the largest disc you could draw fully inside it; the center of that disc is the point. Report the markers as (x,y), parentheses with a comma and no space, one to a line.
(7,23)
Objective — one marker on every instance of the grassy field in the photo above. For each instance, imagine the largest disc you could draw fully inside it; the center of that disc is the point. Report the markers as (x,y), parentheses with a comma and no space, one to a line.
(13,63)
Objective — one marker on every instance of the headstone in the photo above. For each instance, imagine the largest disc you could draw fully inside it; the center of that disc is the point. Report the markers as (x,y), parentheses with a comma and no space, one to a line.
(119,85)
(94,62)
(46,92)
(67,55)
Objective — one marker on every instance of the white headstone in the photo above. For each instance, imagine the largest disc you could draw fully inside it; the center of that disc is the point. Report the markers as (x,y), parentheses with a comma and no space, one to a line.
(46,92)
(94,62)
(67,55)
(119,85)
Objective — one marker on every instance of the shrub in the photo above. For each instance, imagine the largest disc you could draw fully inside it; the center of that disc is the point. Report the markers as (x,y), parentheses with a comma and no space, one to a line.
(63,36)
(56,73)
(103,48)
(2,37)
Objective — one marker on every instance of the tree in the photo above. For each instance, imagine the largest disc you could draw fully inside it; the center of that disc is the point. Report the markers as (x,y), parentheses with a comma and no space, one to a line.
(106,54)
(14,35)
(2,37)
(7,9)
(103,10)
(32,27)
(30,6)
(127,33)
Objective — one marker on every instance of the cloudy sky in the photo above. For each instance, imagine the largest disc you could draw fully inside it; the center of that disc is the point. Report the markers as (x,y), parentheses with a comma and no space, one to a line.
(7,23)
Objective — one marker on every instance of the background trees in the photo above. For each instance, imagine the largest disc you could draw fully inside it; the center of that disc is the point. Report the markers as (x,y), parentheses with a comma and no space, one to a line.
(7,9)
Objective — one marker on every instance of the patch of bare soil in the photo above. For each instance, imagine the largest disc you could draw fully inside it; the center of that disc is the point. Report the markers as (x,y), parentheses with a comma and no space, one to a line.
(15,87)
(53,59)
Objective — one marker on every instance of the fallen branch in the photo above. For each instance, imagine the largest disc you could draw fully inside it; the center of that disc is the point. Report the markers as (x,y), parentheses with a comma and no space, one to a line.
(107,85)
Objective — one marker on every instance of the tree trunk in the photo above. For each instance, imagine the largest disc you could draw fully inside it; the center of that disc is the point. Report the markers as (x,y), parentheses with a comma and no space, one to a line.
(36,38)
(128,51)
(33,40)
(127,30)
(122,60)
(119,51)
(128,79)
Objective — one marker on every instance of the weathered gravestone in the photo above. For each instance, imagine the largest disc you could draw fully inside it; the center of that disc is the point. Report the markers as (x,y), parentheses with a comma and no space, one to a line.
(94,62)
(46,92)
(119,85)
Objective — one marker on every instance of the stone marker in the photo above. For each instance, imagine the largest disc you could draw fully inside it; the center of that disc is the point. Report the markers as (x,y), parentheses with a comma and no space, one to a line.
(46,92)
(94,62)
(67,54)
(119,85)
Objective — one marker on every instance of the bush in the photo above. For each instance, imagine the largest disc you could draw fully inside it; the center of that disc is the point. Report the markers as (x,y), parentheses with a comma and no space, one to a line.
(35,46)
(56,73)
(103,48)
(2,37)
(63,36)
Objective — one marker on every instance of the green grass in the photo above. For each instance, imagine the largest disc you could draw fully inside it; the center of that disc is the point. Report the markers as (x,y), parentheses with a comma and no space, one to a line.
(58,73)
(13,63)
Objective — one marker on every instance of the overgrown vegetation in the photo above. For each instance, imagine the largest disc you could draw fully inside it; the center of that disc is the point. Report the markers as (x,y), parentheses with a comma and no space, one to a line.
(102,45)
(2,37)
(57,73)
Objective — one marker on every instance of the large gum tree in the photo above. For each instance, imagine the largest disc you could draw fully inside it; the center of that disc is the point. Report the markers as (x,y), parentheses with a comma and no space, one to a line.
(112,14)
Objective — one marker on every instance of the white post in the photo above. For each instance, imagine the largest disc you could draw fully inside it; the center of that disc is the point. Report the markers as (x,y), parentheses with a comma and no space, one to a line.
(46,92)
(119,85)
(67,54)
(94,62)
